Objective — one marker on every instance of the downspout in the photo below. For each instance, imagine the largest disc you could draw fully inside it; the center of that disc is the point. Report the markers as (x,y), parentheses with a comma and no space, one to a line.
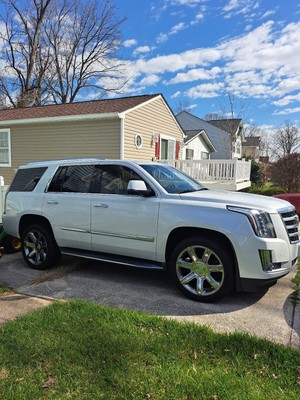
(122,135)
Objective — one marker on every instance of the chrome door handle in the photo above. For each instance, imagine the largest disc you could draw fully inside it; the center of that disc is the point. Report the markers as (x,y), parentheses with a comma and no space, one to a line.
(101,205)
(52,202)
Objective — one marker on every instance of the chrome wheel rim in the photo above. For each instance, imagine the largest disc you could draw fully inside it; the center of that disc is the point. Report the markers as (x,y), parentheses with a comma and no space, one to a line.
(35,247)
(200,270)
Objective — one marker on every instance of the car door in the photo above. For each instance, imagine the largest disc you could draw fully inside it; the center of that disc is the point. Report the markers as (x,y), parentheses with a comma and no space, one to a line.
(67,206)
(121,223)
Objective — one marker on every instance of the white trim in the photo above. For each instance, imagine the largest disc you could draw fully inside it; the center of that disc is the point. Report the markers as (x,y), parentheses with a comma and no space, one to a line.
(65,118)
(7,130)
(168,139)
(141,104)
(122,136)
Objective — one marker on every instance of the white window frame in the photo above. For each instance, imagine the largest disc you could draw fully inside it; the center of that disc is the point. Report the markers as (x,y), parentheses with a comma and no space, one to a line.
(8,164)
(169,139)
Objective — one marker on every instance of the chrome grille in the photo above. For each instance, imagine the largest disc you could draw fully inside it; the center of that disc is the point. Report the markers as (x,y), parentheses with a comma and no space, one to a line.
(291,222)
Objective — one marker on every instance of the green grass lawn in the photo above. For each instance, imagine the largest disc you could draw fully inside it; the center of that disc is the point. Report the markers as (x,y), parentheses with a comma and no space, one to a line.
(78,350)
(4,289)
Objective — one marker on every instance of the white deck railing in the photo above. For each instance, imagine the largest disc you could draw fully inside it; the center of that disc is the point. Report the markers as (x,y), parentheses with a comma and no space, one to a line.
(231,171)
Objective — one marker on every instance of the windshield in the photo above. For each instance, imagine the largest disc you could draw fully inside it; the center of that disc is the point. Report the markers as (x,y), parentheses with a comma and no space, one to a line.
(172,180)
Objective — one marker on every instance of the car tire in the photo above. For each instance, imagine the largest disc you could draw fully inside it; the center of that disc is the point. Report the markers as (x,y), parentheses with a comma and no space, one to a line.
(39,247)
(202,269)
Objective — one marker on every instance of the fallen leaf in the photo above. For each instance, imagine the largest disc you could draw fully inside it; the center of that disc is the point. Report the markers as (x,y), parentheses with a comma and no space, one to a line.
(4,374)
(50,382)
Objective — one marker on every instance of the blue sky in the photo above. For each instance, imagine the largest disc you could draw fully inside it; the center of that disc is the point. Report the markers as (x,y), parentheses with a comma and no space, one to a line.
(199,50)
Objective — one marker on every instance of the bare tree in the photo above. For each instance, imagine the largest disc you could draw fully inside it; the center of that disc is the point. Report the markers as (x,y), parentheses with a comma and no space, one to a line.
(230,108)
(213,116)
(182,105)
(286,139)
(21,80)
(84,49)
(55,50)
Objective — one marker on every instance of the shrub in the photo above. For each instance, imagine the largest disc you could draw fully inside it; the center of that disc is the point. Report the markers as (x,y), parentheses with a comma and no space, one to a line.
(285,172)
(256,175)
(267,190)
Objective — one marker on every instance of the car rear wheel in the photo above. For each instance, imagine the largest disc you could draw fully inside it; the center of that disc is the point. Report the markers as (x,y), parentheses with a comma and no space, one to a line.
(39,248)
(202,269)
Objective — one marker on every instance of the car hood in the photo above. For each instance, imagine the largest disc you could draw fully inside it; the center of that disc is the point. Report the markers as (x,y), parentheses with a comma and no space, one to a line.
(265,203)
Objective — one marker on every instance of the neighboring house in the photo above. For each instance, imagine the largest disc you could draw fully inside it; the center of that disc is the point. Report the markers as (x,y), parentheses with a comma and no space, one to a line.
(251,147)
(236,129)
(197,146)
(137,127)
(225,135)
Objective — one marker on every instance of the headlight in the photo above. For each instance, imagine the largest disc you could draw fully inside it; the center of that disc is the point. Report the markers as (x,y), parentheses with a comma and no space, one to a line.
(259,220)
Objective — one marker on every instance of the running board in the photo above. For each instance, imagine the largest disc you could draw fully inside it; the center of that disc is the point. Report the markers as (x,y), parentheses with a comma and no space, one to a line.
(112,258)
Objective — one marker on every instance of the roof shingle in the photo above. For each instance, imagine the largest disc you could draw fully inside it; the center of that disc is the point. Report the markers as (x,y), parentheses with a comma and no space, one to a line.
(116,105)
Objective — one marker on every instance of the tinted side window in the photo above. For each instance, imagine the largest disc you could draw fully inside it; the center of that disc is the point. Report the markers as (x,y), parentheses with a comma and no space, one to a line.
(75,179)
(113,179)
(27,179)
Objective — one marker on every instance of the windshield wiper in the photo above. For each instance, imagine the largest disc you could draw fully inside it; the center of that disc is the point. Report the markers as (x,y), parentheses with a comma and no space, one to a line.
(192,190)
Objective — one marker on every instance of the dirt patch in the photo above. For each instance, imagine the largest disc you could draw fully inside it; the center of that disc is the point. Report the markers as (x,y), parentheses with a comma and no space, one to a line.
(59,272)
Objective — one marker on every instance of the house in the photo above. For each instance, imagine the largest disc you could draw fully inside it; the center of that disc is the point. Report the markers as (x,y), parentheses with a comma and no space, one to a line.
(137,127)
(225,135)
(251,147)
(197,145)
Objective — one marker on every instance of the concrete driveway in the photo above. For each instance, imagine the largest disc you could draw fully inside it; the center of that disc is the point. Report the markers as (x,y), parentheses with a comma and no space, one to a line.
(267,314)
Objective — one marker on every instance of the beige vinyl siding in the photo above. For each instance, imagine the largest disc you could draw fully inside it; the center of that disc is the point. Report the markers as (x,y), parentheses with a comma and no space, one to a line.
(149,120)
(30,142)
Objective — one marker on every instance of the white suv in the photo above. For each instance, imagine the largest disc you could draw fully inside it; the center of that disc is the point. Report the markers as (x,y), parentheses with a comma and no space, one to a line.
(153,216)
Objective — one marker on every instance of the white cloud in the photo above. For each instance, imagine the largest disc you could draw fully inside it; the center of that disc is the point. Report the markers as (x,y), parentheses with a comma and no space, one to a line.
(176,28)
(287,100)
(175,62)
(161,38)
(207,90)
(142,50)
(232,5)
(130,43)
(189,3)
(262,63)
(150,80)
(195,75)
(268,13)
(176,94)
(236,7)
(287,111)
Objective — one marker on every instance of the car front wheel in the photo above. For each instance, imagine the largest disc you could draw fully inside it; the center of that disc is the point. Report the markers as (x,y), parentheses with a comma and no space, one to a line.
(202,269)
(39,248)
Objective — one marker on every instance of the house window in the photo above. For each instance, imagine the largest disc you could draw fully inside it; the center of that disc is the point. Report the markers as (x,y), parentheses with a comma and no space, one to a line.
(189,154)
(168,148)
(138,141)
(204,155)
(5,152)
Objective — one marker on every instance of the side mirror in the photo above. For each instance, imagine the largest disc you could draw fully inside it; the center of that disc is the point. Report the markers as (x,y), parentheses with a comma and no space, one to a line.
(139,188)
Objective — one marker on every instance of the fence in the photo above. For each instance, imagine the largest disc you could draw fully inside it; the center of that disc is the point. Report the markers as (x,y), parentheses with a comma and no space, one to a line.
(215,170)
